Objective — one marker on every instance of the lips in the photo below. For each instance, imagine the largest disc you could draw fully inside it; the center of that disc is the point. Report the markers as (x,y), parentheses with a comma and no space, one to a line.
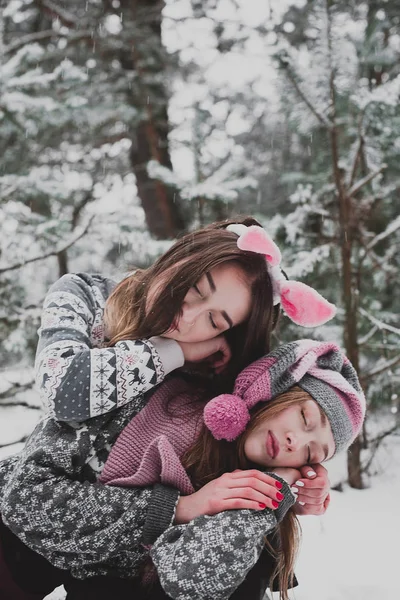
(272,445)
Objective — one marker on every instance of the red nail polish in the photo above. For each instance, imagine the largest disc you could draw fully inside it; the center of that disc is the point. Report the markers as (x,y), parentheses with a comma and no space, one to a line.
(279,496)
(278,485)
(261,505)
(275,504)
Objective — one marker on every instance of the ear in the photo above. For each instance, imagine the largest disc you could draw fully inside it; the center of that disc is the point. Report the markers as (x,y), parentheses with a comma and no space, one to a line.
(256,239)
(304,306)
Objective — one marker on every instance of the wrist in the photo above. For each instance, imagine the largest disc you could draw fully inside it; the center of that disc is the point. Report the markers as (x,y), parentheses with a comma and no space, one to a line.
(182,512)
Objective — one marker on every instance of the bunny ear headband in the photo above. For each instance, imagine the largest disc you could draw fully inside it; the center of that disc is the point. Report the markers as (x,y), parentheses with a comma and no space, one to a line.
(300,302)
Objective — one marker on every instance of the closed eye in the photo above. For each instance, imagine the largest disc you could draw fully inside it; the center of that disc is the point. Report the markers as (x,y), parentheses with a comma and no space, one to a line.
(198,292)
(212,321)
(304,417)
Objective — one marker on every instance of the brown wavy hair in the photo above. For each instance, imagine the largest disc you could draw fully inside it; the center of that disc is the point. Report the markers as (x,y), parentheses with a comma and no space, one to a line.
(176,272)
(209,458)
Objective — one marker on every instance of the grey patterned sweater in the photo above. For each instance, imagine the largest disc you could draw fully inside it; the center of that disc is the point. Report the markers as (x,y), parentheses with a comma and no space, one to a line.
(208,558)
(48,495)
(77,375)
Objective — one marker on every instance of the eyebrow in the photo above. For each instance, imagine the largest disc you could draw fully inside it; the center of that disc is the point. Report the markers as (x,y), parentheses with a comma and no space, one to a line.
(213,289)
(211,282)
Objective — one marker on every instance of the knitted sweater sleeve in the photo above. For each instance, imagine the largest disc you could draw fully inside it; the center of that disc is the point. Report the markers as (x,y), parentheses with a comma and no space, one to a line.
(78,380)
(211,556)
(82,526)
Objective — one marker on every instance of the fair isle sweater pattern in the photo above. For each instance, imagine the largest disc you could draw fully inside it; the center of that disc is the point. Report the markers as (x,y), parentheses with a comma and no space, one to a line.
(78,377)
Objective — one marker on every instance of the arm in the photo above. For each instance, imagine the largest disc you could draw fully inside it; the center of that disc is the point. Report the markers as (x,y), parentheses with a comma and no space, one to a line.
(78,381)
(211,556)
(82,526)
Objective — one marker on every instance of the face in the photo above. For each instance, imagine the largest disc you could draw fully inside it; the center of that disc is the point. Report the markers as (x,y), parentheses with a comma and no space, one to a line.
(221,299)
(297,436)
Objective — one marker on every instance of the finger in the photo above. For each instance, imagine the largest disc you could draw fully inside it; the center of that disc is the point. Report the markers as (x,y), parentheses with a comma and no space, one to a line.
(241,503)
(248,493)
(255,473)
(257,487)
(308,472)
(311,501)
(313,484)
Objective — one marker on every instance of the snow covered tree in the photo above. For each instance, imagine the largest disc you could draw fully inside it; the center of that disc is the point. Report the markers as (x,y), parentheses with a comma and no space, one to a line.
(348,212)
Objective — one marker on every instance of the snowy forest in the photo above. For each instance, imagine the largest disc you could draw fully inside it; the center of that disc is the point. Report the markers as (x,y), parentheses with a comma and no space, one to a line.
(125,123)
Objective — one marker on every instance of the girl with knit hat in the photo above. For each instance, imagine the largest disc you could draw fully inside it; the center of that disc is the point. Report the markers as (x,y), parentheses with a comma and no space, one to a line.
(301,404)
(101,348)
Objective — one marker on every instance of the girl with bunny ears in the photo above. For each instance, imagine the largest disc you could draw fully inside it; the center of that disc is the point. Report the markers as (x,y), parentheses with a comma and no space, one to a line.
(215,295)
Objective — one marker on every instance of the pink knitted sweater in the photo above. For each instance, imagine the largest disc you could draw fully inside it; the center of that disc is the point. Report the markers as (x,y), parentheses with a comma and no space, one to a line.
(148,450)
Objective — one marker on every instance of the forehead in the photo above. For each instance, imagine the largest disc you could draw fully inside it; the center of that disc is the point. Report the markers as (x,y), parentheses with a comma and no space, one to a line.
(230,290)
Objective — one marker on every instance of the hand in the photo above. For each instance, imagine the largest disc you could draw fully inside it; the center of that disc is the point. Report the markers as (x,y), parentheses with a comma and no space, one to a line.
(240,489)
(289,474)
(217,350)
(314,491)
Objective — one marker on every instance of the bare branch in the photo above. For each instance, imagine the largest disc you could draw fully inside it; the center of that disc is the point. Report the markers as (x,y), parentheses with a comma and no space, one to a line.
(81,232)
(369,335)
(359,184)
(14,389)
(22,403)
(376,442)
(21,441)
(46,35)
(65,17)
(385,367)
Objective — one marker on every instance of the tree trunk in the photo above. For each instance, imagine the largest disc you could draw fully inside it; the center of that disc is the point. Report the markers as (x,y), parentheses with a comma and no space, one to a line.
(150,136)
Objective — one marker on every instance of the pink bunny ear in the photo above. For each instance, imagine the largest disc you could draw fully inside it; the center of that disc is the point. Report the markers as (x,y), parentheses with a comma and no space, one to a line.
(304,306)
(256,239)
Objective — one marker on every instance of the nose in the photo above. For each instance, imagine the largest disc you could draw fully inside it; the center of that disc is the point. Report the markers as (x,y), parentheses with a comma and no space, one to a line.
(292,441)
(190,313)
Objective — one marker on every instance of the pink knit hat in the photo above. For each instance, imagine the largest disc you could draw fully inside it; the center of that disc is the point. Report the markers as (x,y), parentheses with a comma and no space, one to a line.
(319,368)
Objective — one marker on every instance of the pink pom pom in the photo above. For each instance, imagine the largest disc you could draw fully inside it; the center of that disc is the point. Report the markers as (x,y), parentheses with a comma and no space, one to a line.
(256,239)
(304,306)
(226,416)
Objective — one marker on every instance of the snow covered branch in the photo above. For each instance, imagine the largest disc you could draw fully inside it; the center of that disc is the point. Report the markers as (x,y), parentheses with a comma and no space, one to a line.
(359,184)
(380,324)
(292,78)
(62,248)
(394,226)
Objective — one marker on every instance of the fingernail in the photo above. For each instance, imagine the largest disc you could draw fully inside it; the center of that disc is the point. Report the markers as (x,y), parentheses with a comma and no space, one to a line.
(311,473)
(300,483)
(261,505)
(302,503)
(275,504)
(279,496)
(278,485)
(295,490)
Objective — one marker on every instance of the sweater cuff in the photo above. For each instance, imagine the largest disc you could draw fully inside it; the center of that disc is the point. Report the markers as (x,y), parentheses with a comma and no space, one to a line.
(288,498)
(161,512)
(169,351)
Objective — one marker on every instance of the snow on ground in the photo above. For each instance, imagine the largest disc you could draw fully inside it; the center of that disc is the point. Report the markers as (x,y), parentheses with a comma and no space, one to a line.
(348,554)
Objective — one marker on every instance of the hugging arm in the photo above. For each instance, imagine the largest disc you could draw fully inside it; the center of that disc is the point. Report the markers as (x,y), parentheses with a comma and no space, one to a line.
(211,556)
(86,527)
(78,380)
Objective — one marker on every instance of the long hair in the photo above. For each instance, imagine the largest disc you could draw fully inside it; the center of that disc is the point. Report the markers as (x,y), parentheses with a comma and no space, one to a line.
(175,272)
(209,458)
